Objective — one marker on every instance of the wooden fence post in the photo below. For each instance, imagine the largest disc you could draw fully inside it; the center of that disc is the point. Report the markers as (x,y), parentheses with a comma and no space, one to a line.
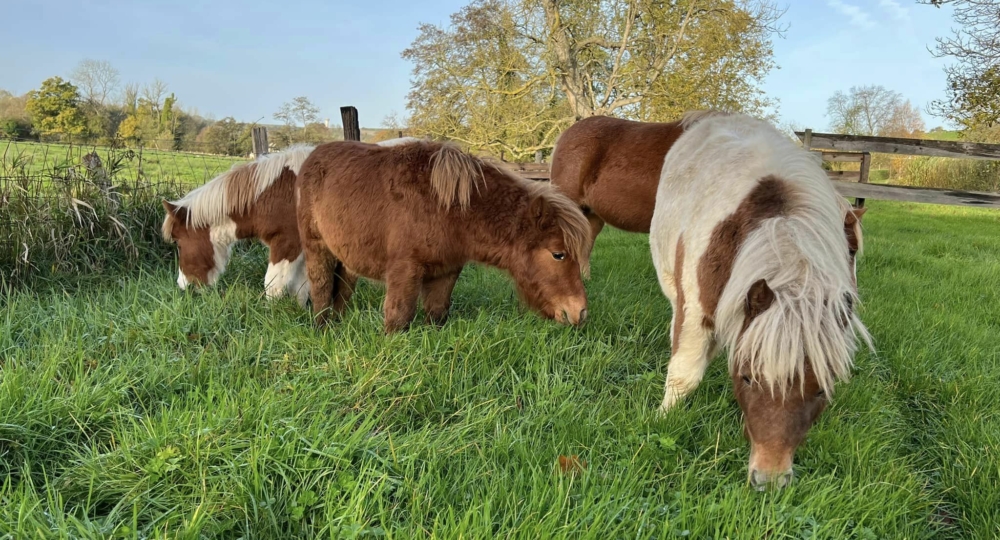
(866,163)
(807,139)
(259,136)
(538,156)
(399,134)
(352,131)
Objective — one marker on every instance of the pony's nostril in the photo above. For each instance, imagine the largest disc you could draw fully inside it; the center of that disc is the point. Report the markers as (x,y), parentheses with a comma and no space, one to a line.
(583,315)
(757,480)
(784,480)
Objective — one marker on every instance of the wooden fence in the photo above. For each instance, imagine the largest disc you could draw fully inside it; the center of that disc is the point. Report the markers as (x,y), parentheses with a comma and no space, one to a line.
(832,148)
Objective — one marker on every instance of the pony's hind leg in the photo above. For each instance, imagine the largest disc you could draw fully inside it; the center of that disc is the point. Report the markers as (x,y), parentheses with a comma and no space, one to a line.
(436,295)
(343,289)
(321,267)
(694,345)
(402,289)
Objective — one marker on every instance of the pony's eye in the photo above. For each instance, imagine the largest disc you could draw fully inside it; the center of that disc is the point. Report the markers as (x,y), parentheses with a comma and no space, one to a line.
(746,379)
(558,255)
(821,393)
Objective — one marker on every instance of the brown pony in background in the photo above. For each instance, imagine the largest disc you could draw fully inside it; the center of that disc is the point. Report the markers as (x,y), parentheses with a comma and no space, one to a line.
(412,216)
(611,167)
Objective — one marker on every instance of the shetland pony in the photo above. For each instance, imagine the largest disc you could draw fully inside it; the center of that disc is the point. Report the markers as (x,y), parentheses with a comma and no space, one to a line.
(413,215)
(611,167)
(251,200)
(755,250)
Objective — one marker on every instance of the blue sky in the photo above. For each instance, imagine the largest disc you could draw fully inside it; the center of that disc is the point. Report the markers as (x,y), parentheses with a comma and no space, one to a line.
(245,58)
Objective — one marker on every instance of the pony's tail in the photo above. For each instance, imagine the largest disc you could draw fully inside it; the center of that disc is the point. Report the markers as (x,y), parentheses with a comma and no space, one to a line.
(453,175)
(810,317)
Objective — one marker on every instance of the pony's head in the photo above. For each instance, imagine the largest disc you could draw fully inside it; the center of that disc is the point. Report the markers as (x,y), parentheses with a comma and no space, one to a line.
(782,395)
(547,244)
(202,252)
(550,258)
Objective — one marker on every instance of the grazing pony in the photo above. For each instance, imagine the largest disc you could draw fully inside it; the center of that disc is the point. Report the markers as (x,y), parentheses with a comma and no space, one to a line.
(251,200)
(755,250)
(413,215)
(611,167)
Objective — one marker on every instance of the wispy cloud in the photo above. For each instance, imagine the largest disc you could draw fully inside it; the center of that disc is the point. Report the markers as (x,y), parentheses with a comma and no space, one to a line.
(858,16)
(897,10)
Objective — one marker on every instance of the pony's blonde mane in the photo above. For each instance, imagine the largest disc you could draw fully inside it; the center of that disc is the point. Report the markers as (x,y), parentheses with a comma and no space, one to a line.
(453,175)
(802,256)
(236,189)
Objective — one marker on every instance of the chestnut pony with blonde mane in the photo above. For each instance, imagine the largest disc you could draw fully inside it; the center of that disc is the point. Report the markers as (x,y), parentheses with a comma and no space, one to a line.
(251,200)
(756,251)
(413,215)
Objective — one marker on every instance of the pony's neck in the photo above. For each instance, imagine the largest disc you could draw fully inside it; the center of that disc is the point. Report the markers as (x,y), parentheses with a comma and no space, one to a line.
(494,239)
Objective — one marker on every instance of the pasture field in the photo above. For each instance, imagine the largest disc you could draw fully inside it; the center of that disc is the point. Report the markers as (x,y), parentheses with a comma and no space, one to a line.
(183,168)
(129,409)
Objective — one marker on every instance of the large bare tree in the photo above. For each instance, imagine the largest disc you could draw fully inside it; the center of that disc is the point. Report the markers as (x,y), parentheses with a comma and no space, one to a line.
(873,110)
(97,80)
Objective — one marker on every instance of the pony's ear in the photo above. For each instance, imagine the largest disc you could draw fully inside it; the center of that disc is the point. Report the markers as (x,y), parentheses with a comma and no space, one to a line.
(854,216)
(759,298)
(538,209)
(170,208)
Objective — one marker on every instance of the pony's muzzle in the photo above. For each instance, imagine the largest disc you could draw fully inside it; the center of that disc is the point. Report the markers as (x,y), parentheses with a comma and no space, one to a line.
(572,317)
(759,479)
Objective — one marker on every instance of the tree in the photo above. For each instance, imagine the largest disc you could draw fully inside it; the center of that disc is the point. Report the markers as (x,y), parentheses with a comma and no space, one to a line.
(54,108)
(97,80)
(873,110)
(511,74)
(227,136)
(298,111)
(974,79)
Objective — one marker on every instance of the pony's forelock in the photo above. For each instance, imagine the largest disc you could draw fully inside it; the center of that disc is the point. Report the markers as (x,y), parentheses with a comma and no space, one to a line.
(571,221)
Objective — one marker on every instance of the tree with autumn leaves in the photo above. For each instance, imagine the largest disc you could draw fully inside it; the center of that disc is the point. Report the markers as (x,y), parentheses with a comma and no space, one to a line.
(55,108)
(510,75)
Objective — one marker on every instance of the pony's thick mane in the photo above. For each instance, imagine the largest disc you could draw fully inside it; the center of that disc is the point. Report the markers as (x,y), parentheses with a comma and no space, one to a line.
(802,255)
(238,188)
(453,175)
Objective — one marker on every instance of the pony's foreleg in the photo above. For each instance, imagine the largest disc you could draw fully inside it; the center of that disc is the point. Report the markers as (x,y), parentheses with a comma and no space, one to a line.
(402,289)
(692,351)
(436,295)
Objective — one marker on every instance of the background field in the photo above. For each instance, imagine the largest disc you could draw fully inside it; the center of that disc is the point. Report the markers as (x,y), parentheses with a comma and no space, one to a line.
(131,409)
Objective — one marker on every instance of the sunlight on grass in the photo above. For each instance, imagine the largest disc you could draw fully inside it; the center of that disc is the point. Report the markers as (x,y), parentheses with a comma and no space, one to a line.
(131,409)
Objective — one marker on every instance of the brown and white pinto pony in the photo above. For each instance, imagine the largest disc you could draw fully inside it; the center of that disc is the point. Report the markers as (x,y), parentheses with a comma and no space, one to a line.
(413,215)
(251,200)
(611,168)
(755,250)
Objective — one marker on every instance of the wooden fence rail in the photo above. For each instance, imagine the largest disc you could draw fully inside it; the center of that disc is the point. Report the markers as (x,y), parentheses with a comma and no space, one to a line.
(831,147)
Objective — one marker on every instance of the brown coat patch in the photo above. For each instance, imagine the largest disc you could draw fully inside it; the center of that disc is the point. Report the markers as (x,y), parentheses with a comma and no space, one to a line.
(612,167)
(678,276)
(767,200)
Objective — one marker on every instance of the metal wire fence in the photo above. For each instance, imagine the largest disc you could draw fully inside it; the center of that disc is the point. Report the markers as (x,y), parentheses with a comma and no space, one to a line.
(71,209)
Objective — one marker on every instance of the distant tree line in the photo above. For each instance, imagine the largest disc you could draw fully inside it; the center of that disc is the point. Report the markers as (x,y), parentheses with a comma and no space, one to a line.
(93,107)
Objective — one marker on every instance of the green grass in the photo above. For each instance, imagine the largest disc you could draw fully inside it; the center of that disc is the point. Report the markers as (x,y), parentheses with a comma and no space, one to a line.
(130,409)
(184,168)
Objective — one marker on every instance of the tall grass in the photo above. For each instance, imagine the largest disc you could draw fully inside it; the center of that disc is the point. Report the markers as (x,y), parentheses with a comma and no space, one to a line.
(948,173)
(62,218)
